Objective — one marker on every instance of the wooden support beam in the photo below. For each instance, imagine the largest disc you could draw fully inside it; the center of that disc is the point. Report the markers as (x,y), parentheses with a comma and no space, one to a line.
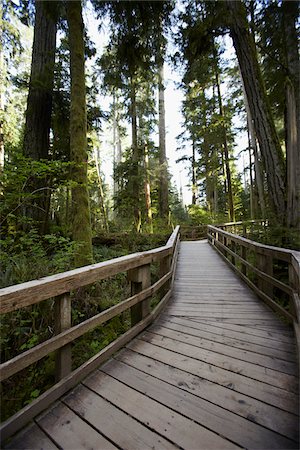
(140,279)
(63,321)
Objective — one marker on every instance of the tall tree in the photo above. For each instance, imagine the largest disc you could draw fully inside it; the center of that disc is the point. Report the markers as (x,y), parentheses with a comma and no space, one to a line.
(39,108)
(259,107)
(81,221)
(163,178)
(290,11)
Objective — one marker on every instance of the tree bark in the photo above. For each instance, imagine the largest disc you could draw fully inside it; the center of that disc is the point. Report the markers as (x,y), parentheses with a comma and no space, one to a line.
(259,107)
(135,160)
(81,220)
(163,191)
(194,177)
(2,80)
(292,115)
(39,108)
(147,190)
(225,143)
(257,162)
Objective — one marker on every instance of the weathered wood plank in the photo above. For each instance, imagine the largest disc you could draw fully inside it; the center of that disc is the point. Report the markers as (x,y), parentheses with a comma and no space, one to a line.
(274,396)
(189,335)
(168,423)
(32,438)
(250,408)
(69,431)
(119,427)
(233,427)
(172,341)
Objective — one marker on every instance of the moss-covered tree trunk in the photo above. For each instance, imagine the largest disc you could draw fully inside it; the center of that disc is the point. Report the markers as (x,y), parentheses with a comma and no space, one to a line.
(259,107)
(80,216)
(39,107)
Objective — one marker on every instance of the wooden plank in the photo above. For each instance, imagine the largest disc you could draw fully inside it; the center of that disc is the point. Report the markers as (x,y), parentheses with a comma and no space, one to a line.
(178,429)
(184,333)
(117,426)
(172,341)
(69,431)
(32,438)
(248,338)
(235,428)
(242,405)
(272,335)
(274,396)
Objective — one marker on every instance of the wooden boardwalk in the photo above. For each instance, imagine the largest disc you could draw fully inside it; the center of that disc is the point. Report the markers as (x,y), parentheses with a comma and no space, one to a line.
(216,371)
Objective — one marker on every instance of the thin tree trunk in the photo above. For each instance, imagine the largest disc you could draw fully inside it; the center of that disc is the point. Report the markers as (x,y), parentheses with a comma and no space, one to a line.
(135,160)
(147,190)
(2,82)
(163,191)
(81,220)
(292,115)
(39,108)
(101,193)
(258,103)
(225,143)
(194,177)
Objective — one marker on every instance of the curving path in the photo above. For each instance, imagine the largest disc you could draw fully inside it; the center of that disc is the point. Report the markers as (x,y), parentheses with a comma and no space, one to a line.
(216,371)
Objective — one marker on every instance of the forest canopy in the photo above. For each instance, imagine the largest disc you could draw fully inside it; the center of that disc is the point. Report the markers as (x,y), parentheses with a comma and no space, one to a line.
(72,97)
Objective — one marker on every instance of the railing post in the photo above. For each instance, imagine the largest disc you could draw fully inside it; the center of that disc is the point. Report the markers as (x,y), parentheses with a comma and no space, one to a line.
(164,267)
(265,264)
(233,248)
(63,321)
(140,279)
(244,256)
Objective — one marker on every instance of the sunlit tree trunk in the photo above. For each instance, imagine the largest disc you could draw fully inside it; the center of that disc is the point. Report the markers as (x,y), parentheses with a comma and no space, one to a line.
(101,193)
(81,220)
(2,79)
(163,190)
(292,116)
(39,108)
(147,190)
(225,145)
(194,175)
(135,160)
(259,107)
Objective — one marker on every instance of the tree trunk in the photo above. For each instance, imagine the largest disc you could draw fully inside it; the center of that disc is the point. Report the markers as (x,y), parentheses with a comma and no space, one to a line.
(257,162)
(135,160)
(194,177)
(147,190)
(2,83)
(225,143)
(163,190)
(292,115)
(81,220)
(39,108)
(101,193)
(259,107)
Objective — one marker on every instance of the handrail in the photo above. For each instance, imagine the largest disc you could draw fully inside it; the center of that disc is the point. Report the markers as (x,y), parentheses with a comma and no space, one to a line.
(254,263)
(58,286)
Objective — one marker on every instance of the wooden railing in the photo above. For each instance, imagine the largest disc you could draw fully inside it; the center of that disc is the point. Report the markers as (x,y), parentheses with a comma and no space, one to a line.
(257,264)
(59,286)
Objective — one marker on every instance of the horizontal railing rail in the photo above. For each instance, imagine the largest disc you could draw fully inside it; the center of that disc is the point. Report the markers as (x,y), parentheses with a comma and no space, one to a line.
(255,263)
(59,286)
